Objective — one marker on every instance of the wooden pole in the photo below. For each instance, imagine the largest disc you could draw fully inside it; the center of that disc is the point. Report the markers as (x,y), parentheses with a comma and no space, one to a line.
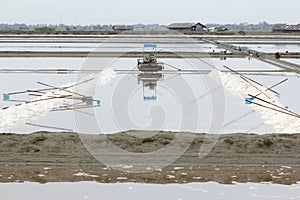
(58,88)
(245,77)
(281,111)
(274,86)
(51,127)
(256,87)
(270,103)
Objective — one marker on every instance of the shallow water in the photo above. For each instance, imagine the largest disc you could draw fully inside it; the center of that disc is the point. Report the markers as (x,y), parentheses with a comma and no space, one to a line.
(91,191)
(272,48)
(129,63)
(295,61)
(104,47)
(123,106)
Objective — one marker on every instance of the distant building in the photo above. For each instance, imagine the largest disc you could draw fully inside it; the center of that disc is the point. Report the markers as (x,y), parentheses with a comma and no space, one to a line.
(216,29)
(122,27)
(187,26)
(287,28)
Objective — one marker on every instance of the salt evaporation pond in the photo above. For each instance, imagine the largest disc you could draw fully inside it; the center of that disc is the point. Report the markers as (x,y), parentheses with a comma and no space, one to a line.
(124,191)
(295,61)
(164,113)
(271,48)
(103,47)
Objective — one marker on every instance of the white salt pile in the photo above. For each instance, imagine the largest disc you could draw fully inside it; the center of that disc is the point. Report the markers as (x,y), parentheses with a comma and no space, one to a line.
(26,112)
(281,122)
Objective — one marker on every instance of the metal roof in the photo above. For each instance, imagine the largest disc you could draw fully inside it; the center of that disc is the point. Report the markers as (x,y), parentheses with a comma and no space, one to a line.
(184,25)
(123,27)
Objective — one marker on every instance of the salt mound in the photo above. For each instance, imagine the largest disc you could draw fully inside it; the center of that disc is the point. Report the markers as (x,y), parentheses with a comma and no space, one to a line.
(281,122)
(26,112)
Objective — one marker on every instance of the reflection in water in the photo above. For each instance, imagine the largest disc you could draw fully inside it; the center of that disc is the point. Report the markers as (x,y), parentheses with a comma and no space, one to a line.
(93,191)
(150,71)
(149,81)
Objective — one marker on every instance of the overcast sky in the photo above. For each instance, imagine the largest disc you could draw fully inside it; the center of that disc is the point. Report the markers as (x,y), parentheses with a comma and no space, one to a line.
(149,11)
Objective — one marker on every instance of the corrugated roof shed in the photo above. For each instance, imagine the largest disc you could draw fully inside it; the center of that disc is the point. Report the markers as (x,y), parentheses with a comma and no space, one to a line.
(122,27)
(181,25)
(188,25)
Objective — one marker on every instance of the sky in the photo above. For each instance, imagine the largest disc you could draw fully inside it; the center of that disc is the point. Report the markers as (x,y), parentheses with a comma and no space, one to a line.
(148,12)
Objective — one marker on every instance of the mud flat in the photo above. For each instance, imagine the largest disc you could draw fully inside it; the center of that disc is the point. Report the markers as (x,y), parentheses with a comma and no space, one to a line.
(62,157)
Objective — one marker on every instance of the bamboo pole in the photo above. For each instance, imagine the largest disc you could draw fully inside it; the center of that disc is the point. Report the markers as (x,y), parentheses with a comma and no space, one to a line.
(274,86)
(236,72)
(270,103)
(281,111)
(51,127)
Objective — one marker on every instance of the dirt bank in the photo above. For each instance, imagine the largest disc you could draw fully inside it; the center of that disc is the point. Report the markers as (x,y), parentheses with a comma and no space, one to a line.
(43,157)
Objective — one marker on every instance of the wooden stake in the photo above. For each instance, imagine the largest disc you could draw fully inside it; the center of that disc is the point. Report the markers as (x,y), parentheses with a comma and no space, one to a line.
(51,127)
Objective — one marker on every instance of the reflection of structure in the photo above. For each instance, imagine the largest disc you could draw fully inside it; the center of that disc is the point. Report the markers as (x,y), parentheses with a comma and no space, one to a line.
(149,81)
(150,72)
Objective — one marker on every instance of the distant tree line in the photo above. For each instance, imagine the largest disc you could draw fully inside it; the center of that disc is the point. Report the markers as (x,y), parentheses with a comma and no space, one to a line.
(64,27)
(263,26)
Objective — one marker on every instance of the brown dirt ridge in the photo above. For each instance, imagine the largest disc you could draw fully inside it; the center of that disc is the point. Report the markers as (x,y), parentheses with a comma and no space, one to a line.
(62,157)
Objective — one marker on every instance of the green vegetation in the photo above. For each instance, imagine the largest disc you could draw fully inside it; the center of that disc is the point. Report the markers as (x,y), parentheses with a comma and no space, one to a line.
(262,26)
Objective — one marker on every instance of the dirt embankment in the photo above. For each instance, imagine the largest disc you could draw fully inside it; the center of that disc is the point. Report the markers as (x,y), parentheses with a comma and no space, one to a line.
(46,157)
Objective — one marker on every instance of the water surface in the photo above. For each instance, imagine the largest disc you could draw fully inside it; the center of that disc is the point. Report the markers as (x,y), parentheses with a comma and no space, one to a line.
(175,94)
(124,191)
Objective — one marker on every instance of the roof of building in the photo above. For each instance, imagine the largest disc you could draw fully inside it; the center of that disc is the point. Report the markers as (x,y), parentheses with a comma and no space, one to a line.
(184,25)
(123,27)
(286,27)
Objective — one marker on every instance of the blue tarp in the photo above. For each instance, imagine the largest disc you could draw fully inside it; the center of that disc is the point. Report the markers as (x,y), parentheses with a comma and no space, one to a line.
(150,45)
(89,101)
(5,97)
(149,98)
(249,100)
